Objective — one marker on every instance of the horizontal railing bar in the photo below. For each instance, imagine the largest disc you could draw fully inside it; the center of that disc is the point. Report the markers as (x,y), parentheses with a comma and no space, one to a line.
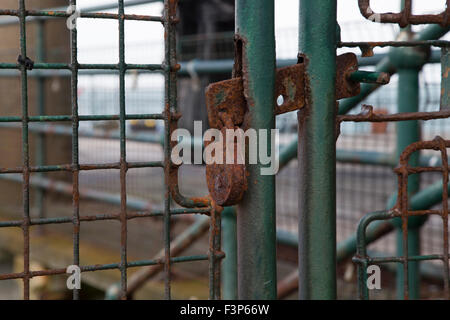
(99,267)
(93,66)
(101,217)
(97,8)
(65,130)
(87,15)
(85,193)
(382,44)
(151,116)
(404,116)
(342,156)
(379,260)
(83,167)
(221,66)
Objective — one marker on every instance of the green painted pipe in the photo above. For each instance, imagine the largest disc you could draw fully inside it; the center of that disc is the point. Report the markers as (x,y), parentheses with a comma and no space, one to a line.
(370,77)
(408,132)
(229,263)
(317,152)
(256,228)
(40,94)
(385,65)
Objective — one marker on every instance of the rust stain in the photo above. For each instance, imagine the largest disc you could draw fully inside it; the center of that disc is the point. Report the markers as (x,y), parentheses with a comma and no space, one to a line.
(227,183)
(346,64)
(403,18)
(447,70)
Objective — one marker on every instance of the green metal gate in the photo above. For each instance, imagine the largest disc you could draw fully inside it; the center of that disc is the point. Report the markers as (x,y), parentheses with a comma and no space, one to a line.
(320,79)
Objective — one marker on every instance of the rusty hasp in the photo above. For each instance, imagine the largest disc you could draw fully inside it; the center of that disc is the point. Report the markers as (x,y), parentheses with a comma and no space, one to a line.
(227,108)
(346,64)
(405,17)
(290,85)
(228,95)
(227,182)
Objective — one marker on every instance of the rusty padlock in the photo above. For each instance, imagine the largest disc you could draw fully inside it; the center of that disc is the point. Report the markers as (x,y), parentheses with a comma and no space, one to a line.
(227,107)
(227,182)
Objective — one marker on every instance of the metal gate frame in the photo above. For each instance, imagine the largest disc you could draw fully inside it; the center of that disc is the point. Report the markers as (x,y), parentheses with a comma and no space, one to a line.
(318,41)
(170,116)
(256,256)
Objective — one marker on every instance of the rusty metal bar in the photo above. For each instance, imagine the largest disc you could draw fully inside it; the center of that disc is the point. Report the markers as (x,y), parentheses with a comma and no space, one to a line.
(385,65)
(25,154)
(367,115)
(403,211)
(10,20)
(405,16)
(75,150)
(409,132)
(445,80)
(123,155)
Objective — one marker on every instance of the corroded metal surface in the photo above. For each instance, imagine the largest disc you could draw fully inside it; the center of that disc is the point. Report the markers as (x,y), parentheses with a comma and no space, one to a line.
(170,116)
(290,85)
(368,115)
(401,213)
(226,182)
(405,17)
(346,64)
(228,95)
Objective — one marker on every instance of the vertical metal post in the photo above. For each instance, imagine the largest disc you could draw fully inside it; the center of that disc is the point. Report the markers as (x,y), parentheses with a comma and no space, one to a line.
(317,152)
(229,263)
(40,137)
(409,132)
(74,67)
(123,154)
(25,153)
(256,227)
(215,243)
(445,80)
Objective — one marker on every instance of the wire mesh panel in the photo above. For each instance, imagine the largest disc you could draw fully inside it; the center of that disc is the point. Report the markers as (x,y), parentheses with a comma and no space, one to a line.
(172,248)
(418,193)
(403,210)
